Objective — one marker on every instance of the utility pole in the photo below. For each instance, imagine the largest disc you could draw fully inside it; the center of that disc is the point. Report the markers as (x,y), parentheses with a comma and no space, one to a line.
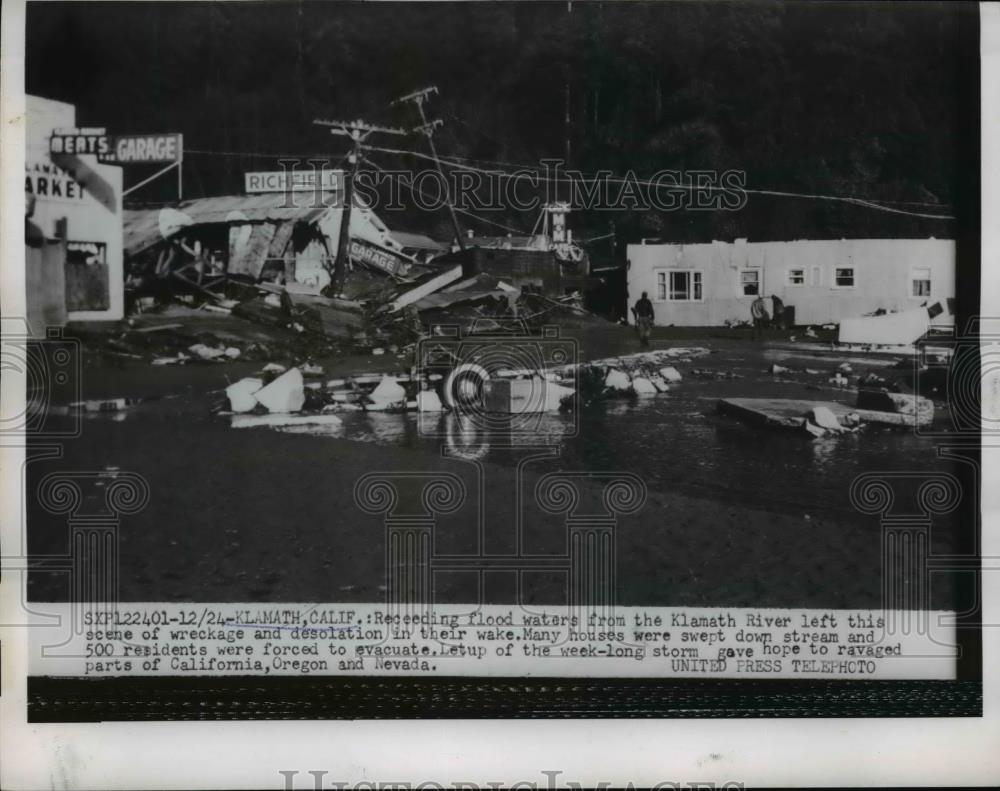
(569,149)
(358,131)
(427,129)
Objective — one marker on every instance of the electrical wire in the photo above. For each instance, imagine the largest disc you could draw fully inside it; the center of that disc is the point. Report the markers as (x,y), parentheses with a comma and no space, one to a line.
(863,202)
(458,164)
(412,188)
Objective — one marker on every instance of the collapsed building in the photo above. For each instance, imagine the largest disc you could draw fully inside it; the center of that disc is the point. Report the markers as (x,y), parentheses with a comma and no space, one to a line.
(548,262)
(289,238)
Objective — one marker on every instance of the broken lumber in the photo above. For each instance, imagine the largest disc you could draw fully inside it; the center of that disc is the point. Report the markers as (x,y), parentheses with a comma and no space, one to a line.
(791,412)
(428,287)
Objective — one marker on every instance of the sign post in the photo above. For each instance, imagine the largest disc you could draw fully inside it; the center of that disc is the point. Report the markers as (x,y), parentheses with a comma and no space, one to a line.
(149,149)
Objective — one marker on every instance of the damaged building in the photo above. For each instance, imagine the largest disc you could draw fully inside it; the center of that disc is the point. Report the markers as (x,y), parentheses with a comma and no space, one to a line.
(259,237)
(73,227)
(819,281)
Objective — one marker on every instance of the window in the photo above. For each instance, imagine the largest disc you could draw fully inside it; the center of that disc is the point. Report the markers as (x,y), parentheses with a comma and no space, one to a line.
(685,286)
(817,276)
(750,282)
(661,286)
(796,277)
(843,277)
(920,282)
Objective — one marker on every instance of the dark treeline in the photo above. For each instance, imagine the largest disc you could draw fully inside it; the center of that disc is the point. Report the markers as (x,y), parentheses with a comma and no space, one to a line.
(876,100)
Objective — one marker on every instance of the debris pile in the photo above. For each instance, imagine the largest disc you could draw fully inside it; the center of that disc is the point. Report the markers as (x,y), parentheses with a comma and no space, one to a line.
(288,397)
(634,375)
(821,421)
(820,418)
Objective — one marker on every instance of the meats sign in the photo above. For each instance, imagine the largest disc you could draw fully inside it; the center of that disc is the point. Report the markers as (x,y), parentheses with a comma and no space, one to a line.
(119,149)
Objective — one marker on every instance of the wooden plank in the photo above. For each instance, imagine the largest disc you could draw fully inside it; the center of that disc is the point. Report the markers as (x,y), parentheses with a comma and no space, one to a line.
(432,285)
(790,412)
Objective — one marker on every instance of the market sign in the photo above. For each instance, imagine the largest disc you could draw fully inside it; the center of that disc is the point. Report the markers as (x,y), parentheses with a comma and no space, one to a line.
(370,255)
(293,181)
(140,149)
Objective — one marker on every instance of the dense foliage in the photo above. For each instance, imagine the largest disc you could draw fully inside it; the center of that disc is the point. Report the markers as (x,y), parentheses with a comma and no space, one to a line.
(872,100)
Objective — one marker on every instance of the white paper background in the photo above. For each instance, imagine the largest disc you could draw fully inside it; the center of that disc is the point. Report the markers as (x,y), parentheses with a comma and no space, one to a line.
(249,755)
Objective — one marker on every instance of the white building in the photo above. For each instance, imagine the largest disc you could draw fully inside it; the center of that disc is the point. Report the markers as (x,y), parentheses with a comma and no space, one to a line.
(824,281)
(81,206)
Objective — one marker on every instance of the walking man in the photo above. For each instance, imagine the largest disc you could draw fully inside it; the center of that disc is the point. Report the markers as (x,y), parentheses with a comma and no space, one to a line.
(778,310)
(758,312)
(643,311)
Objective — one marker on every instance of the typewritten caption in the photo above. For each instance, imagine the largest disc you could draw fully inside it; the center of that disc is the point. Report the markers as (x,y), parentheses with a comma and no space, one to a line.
(369,639)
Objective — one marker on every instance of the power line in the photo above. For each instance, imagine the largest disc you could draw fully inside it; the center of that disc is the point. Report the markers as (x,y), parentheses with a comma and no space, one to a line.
(358,131)
(248,154)
(418,98)
(413,188)
(863,202)
(457,161)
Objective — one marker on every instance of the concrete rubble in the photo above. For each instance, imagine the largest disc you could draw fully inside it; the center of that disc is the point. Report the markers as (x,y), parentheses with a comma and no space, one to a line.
(284,394)
(241,394)
(387,395)
(643,387)
(617,380)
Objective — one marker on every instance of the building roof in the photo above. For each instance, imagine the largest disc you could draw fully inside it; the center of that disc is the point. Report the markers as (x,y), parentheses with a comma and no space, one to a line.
(417,241)
(142,226)
(505,242)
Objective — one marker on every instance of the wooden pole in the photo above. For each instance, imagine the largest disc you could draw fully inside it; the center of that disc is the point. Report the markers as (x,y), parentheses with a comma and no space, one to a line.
(344,237)
(357,131)
(418,98)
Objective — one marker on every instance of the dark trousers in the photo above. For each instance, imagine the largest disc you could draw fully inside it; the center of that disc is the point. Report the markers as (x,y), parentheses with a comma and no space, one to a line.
(644,325)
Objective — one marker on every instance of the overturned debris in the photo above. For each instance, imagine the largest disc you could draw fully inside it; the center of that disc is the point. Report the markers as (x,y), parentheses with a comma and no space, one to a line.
(920,408)
(241,394)
(792,413)
(275,421)
(524,396)
(901,328)
(284,394)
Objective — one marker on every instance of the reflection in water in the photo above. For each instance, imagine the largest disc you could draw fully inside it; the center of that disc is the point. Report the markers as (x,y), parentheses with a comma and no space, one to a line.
(314,429)
(464,438)
(675,441)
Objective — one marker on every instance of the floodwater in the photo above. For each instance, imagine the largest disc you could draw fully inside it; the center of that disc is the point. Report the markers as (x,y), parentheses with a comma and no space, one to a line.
(677,443)
(736,515)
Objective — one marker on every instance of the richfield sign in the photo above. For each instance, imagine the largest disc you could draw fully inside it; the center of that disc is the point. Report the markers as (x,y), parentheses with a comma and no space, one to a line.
(119,149)
(292,181)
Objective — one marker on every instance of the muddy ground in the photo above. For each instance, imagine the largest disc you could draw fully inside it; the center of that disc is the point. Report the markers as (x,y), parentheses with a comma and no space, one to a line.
(735,515)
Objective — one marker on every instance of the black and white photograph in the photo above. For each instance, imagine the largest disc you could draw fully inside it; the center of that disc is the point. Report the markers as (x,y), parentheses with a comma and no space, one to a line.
(478,360)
